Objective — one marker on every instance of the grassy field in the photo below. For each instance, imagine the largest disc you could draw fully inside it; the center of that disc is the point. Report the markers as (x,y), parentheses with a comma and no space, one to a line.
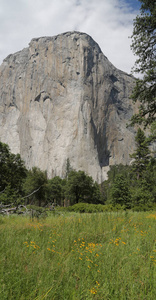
(79,256)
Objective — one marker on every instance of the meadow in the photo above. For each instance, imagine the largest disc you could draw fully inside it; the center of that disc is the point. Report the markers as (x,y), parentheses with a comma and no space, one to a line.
(78,256)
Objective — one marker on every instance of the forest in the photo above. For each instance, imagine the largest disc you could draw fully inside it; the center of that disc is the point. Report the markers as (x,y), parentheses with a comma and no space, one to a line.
(127,187)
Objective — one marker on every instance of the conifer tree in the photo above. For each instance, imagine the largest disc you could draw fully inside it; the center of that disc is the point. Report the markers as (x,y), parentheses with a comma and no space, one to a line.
(120,193)
(141,155)
(144,46)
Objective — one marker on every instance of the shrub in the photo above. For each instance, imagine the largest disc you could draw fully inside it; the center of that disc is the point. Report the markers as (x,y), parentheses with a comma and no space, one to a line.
(79,207)
(94,208)
(144,207)
(37,212)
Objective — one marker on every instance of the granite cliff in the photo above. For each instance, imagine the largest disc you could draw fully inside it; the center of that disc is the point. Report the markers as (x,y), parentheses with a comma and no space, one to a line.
(61,98)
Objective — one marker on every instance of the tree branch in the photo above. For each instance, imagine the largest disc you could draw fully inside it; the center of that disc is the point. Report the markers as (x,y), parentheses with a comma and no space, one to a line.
(32,193)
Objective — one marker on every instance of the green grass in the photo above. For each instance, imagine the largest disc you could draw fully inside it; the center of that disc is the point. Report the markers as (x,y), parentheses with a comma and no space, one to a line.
(79,256)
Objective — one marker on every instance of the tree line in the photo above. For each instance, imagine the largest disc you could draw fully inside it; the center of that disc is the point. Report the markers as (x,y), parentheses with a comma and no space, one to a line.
(19,185)
(134,185)
(127,185)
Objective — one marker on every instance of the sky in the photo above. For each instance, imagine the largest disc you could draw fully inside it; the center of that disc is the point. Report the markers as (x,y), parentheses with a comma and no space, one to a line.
(108,22)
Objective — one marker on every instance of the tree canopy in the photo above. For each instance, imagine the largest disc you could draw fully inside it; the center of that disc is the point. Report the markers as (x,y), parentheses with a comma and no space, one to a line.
(12,174)
(55,190)
(144,46)
(120,191)
(81,188)
(12,169)
(141,155)
(35,185)
(127,186)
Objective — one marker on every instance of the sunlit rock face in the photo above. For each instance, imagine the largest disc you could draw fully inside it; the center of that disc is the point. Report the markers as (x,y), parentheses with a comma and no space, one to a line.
(61,99)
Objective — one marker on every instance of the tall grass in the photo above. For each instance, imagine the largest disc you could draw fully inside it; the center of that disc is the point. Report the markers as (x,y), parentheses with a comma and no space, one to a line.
(73,256)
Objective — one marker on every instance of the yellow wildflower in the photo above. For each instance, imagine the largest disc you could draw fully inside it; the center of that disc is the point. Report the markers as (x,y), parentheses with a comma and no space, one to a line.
(93,291)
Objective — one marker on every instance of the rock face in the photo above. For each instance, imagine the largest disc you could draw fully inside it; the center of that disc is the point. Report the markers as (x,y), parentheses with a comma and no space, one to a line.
(61,99)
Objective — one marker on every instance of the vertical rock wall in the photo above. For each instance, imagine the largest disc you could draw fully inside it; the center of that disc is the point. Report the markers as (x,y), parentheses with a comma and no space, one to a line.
(61,98)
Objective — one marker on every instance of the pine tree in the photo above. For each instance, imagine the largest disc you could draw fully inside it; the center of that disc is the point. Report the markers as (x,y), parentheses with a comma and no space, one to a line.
(141,155)
(144,46)
(120,193)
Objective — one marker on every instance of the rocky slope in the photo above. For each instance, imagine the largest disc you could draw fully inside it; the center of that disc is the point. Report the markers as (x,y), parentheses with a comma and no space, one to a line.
(61,98)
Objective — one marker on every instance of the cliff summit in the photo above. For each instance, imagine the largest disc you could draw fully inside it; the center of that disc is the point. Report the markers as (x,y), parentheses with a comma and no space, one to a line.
(61,99)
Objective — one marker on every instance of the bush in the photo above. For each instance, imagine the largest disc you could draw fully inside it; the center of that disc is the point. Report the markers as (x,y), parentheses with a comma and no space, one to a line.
(144,207)
(141,197)
(94,208)
(10,196)
(37,211)
(79,207)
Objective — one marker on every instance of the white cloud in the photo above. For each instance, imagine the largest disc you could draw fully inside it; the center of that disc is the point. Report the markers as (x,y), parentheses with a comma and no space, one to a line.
(109,22)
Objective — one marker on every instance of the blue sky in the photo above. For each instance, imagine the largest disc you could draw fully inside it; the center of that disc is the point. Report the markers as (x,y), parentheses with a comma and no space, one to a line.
(135,4)
(109,22)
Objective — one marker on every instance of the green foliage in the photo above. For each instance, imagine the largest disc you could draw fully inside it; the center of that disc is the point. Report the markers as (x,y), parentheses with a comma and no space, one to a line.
(143,45)
(106,186)
(143,172)
(152,139)
(96,196)
(4,162)
(12,174)
(123,187)
(55,190)
(144,207)
(143,191)
(150,177)
(120,192)
(78,207)
(141,195)
(94,208)
(37,212)
(10,196)
(141,155)
(12,169)
(81,188)
(86,208)
(35,186)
